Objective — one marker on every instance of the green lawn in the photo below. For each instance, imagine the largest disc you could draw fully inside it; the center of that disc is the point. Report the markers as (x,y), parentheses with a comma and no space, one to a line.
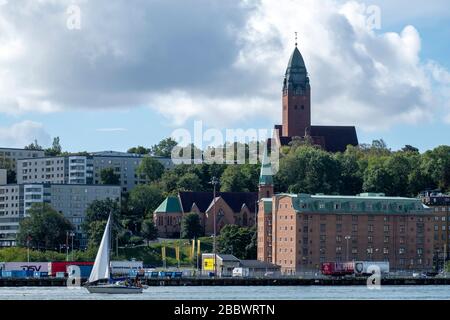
(151,254)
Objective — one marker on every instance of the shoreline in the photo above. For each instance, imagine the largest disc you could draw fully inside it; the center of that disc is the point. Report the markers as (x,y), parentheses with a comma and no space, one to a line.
(153,282)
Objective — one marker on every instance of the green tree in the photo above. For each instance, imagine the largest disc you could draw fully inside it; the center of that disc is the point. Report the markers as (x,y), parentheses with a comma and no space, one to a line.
(237,241)
(139,150)
(44,227)
(191,227)
(34,146)
(56,148)
(232,179)
(308,170)
(109,177)
(164,148)
(96,217)
(150,168)
(436,165)
(149,230)
(189,182)
(144,199)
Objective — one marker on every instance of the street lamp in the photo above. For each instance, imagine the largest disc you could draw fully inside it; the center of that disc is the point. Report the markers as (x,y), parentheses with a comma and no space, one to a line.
(346,251)
(72,234)
(214,182)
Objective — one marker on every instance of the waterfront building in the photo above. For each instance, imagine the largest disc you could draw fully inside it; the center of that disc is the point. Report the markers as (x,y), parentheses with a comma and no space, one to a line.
(296,113)
(301,231)
(84,169)
(69,199)
(440,210)
(237,208)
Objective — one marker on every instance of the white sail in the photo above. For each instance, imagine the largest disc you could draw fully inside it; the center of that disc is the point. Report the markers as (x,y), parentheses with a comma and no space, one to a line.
(101,266)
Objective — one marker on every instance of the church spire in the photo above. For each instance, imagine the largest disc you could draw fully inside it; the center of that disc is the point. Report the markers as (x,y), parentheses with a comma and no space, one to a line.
(266,176)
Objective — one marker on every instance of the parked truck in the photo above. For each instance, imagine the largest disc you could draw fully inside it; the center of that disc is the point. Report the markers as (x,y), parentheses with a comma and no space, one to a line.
(241,272)
(359,268)
(337,268)
(370,267)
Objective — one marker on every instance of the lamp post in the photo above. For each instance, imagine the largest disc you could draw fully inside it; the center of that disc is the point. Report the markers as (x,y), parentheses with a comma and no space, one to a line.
(72,234)
(346,251)
(67,245)
(214,182)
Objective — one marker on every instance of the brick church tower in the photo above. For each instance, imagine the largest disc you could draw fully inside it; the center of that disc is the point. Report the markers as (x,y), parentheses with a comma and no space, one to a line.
(265,186)
(296,97)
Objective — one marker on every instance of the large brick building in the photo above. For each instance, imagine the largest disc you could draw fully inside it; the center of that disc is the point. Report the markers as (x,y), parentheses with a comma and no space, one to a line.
(440,207)
(296,113)
(300,231)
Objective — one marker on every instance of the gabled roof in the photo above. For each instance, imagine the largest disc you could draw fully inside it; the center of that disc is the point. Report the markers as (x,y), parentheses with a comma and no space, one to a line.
(337,138)
(203,200)
(169,205)
(256,264)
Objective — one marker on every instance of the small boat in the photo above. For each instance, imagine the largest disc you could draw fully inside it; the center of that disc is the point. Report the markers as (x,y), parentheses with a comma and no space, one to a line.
(101,271)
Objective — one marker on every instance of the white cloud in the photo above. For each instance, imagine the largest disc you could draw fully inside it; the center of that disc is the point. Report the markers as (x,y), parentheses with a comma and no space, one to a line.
(23,133)
(221,62)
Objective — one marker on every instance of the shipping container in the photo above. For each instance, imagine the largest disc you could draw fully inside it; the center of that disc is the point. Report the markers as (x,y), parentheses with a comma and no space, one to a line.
(55,267)
(25,266)
(369,267)
(85,271)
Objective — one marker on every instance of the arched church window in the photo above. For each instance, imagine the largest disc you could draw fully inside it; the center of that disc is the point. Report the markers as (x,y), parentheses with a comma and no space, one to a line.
(244,219)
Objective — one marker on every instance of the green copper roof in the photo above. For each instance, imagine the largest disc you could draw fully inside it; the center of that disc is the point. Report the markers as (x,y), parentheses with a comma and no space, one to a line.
(169,205)
(362,203)
(266,175)
(296,73)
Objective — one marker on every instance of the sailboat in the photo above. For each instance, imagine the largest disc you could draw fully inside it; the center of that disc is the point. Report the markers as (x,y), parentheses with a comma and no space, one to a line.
(100,280)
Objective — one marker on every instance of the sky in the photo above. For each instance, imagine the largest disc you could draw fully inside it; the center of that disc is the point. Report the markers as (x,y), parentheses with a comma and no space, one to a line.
(110,75)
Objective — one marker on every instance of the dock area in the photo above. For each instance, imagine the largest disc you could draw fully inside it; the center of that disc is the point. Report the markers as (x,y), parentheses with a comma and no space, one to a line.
(288,281)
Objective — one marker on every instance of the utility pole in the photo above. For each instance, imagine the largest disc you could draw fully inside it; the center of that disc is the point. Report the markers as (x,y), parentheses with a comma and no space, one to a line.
(67,245)
(72,234)
(214,182)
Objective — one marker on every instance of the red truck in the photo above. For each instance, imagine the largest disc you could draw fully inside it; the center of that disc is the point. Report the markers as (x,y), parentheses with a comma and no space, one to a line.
(54,267)
(337,268)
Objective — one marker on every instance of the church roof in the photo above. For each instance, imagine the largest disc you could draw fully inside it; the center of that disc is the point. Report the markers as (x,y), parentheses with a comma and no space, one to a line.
(337,138)
(169,205)
(203,200)
(334,138)
(296,73)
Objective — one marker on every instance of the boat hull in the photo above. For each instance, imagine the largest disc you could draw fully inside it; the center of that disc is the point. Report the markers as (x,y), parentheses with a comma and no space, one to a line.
(114,289)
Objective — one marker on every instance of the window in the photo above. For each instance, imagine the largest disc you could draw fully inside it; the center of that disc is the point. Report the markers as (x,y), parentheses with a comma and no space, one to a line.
(338,249)
(386,228)
(354,228)
(338,238)
(339,227)
(323,227)
(338,218)
(369,239)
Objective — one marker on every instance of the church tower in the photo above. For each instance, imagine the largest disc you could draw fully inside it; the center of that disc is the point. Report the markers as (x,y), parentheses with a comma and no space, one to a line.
(296,97)
(265,189)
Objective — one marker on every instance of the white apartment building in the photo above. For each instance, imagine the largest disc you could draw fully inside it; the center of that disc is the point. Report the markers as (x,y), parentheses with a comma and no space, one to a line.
(71,200)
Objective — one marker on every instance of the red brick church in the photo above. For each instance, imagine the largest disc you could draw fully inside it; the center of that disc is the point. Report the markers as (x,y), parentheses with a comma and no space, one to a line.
(297,113)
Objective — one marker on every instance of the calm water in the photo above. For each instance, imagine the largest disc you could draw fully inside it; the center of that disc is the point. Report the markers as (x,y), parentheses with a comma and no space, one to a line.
(244,293)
